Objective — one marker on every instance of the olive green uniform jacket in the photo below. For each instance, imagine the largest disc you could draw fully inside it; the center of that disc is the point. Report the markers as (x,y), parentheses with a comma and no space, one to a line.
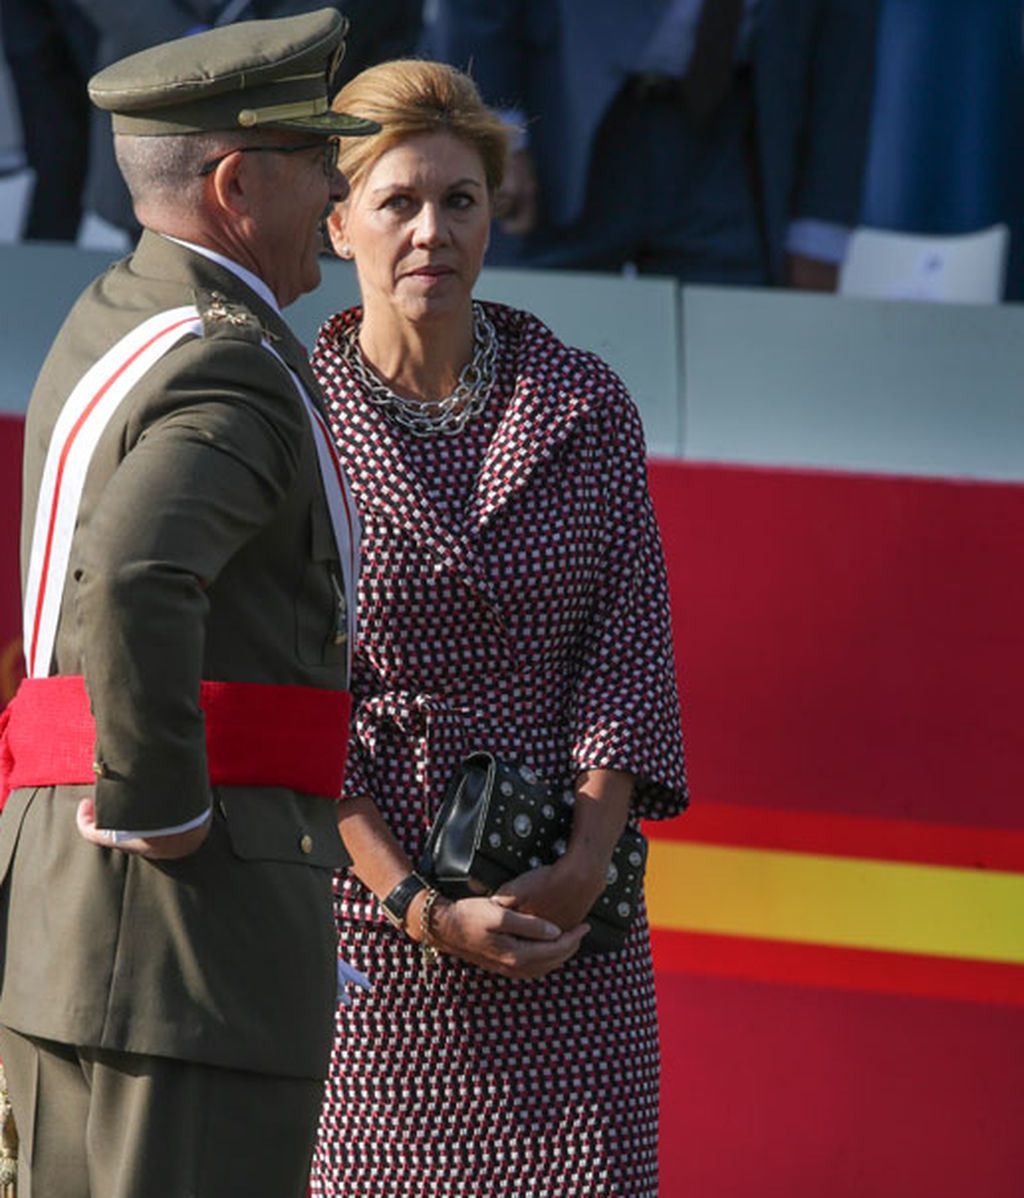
(203,549)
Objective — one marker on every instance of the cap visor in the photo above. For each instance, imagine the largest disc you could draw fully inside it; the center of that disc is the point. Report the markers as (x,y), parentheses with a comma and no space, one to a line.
(341,124)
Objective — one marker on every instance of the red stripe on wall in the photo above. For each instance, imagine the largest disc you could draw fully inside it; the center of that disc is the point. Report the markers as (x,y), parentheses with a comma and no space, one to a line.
(848,969)
(846,836)
(849,643)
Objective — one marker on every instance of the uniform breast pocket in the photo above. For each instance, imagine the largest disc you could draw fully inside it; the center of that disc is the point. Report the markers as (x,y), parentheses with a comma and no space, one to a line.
(321,607)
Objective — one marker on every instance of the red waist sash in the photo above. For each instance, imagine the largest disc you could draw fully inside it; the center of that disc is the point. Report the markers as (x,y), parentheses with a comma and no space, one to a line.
(256,735)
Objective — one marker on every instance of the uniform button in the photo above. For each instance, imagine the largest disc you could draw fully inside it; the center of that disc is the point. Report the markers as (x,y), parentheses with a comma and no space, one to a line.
(99,768)
(306,843)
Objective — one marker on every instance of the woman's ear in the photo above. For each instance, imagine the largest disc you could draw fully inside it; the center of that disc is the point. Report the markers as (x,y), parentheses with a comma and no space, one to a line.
(336,232)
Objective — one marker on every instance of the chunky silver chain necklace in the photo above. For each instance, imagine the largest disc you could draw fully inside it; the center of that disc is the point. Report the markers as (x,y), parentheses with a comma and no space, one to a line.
(435,417)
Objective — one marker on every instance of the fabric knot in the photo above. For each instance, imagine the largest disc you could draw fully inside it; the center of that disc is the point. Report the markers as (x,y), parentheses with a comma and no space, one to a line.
(434,723)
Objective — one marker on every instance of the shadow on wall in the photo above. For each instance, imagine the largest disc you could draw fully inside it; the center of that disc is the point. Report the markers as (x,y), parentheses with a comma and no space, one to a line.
(947,145)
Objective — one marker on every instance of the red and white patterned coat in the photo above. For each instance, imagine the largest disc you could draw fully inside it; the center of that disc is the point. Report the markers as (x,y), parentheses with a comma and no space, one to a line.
(533,622)
(513,598)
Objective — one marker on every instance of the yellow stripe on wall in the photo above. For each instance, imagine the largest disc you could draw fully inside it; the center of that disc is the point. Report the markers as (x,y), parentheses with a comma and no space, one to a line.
(841,901)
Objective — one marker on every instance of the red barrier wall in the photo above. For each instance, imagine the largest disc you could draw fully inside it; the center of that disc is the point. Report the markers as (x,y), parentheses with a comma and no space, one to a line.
(851,658)
(849,638)
(851,654)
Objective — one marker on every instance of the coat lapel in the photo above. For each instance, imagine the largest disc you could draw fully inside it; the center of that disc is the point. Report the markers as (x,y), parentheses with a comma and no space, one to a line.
(372,452)
(168,260)
(552,395)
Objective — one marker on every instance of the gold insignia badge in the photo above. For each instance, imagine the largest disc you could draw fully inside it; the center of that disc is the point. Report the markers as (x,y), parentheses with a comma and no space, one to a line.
(219,316)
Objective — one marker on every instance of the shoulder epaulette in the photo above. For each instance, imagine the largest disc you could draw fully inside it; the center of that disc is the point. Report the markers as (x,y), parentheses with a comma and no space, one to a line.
(222,318)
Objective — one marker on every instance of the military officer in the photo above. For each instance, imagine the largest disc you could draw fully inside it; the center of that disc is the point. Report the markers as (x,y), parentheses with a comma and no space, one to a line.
(189,556)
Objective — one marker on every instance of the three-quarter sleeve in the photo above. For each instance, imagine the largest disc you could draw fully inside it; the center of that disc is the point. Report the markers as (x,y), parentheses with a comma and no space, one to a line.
(625,705)
(360,778)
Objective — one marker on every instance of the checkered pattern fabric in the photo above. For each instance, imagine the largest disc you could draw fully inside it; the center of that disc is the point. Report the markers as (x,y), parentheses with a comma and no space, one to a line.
(476,1086)
(513,598)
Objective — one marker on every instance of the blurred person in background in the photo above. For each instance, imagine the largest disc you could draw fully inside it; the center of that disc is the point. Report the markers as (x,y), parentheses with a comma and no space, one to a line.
(50,47)
(379,29)
(512,598)
(720,141)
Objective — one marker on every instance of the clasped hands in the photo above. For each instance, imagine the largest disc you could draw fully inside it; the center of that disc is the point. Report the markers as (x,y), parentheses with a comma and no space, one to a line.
(529,927)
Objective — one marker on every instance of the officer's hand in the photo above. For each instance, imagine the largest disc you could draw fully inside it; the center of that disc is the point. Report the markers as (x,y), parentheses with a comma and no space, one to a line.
(154,848)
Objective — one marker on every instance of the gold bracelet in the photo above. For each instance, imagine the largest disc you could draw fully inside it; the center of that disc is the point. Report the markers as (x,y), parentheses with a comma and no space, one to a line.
(429,955)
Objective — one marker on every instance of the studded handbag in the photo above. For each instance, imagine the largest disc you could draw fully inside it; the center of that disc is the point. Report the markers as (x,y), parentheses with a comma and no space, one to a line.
(498,820)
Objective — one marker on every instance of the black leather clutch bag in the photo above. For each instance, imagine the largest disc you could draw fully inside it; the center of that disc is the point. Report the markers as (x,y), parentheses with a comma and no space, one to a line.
(498,820)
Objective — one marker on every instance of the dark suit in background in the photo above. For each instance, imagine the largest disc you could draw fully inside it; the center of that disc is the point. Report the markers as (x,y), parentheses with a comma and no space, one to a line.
(379,30)
(50,46)
(625,176)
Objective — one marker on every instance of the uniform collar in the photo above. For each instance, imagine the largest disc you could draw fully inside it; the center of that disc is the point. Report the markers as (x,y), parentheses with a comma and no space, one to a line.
(252,281)
(156,251)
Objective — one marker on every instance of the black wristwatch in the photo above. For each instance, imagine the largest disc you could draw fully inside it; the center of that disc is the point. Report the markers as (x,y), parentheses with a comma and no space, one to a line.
(396,904)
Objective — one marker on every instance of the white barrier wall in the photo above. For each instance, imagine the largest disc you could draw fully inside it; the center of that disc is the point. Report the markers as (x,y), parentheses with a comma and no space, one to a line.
(722,375)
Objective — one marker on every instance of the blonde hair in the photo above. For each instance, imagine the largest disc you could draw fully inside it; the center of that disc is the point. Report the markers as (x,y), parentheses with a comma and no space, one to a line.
(411,97)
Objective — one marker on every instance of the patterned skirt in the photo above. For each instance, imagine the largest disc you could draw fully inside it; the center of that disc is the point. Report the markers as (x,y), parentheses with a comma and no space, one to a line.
(471,1085)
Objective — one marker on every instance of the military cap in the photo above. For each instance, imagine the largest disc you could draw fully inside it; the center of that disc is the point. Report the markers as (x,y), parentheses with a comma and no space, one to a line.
(253,75)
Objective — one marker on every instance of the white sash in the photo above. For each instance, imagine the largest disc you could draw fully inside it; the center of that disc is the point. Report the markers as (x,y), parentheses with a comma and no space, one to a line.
(76,433)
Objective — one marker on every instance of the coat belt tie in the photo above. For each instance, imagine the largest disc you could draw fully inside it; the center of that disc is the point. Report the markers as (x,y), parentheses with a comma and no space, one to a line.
(432,722)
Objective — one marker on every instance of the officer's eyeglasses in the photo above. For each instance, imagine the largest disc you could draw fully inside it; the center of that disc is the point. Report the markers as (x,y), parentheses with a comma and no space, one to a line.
(329,149)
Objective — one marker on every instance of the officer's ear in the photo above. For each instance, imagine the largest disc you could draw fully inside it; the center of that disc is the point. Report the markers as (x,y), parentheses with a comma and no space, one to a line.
(230,184)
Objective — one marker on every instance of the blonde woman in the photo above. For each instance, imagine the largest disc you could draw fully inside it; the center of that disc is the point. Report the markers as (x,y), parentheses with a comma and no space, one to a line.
(513,598)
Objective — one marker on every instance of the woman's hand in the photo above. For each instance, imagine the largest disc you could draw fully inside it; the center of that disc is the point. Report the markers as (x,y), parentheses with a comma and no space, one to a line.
(488,933)
(562,893)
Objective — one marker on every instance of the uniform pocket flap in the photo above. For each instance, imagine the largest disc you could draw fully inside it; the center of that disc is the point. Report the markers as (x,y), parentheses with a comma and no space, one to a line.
(272,824)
